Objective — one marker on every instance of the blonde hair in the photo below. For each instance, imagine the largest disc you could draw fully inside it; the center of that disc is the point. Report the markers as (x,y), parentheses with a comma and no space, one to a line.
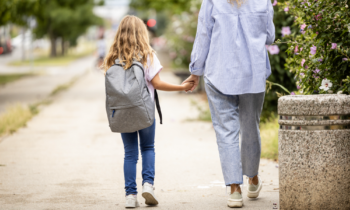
(239,2)
(130,43)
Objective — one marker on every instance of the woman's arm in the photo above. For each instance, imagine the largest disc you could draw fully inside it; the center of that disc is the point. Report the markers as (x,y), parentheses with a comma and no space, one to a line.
(161,85)
(201,44)
(270,39)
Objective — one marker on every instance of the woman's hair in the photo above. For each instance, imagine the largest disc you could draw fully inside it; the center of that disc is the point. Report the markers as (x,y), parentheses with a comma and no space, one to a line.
(239,2)
(130,43)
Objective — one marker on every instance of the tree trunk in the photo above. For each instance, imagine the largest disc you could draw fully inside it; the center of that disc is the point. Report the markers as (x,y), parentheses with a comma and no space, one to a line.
(53,52)
(63,47)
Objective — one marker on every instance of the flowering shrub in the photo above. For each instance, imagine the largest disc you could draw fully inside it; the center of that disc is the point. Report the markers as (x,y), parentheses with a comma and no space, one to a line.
(181,33)
(320,54)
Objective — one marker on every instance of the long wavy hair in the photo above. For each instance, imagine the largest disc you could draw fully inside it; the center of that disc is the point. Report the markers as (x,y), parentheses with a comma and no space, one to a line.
(239,2)
(130,43)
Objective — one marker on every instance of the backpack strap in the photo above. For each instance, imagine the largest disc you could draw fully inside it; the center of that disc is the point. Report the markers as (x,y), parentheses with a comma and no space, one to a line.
(158,106)
(156,98)
(134,64)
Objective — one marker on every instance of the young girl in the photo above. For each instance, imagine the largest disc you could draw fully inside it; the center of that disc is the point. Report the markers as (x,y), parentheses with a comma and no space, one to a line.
(132,43)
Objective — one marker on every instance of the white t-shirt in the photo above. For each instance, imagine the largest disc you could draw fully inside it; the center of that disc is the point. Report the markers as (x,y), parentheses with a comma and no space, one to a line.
(151,72)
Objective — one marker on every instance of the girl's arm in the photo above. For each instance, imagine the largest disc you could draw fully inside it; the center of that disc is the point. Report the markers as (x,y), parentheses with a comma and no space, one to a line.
(161,85)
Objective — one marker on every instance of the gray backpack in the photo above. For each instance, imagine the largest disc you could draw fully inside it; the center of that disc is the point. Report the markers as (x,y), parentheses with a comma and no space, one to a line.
(128,102)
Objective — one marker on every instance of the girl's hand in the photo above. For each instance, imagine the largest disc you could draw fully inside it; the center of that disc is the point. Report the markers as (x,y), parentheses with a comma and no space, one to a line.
(187,86)
(160,85)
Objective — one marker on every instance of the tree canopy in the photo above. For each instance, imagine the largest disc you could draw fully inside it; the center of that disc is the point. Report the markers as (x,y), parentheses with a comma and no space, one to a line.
(64,19)
(175,6)
(16,11)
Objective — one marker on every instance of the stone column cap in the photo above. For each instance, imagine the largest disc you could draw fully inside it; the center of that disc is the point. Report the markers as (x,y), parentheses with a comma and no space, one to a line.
(314,105)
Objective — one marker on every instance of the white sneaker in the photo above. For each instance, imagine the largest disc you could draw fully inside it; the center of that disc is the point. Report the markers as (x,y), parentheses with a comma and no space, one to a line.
(131,201)
(254,190)
(235,200)
(148,194)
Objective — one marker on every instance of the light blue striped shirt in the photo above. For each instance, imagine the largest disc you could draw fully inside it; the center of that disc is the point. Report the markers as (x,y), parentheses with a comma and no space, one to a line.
(229,49)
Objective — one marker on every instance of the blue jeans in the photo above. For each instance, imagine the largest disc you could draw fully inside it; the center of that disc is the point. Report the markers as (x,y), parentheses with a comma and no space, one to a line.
(233,115)
(131,149)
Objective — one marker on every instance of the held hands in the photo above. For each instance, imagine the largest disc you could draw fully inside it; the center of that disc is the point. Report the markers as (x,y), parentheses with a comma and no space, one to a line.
(187,86)
(192,81)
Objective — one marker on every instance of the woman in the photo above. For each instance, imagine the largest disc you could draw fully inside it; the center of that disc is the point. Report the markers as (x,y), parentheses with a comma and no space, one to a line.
(230,52)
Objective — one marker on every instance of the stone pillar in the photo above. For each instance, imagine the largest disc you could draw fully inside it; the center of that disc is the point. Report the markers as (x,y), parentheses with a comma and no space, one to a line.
(314,152)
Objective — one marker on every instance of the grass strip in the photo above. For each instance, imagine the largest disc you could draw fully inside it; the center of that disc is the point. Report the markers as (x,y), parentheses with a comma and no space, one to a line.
(7,78)
(269,139)
(13,118)
(63,87)
(17,116)
(55,61)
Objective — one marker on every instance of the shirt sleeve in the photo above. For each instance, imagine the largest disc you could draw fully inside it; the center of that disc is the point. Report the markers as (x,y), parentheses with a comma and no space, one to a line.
(202,42)
(154,68)
(270,25)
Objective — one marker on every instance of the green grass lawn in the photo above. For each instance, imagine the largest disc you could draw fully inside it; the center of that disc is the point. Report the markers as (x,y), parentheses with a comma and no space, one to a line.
(14,118)
(269,139)
(6,78)
(56,61)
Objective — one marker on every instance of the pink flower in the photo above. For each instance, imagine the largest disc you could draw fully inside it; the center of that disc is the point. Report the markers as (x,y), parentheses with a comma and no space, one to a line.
(303,26)
(273,49)
(345,59)
(292,93)
(286,9)
(302,32)
(296,49)
(318,17)
(298,87)
(317,32)
(274,3)
(301,49)
(302,62)
(334,46)
(302,74)
(313,50)
(316,71)
(285,30)
(172,55)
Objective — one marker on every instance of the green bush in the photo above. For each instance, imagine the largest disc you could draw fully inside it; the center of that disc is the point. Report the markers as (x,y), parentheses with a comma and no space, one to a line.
(279,74)
(319,55)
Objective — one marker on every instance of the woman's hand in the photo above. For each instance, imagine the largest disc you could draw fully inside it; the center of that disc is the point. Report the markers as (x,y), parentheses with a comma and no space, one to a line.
(194,79)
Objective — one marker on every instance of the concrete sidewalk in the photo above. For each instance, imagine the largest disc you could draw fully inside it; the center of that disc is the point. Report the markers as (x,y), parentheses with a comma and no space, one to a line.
(67,158)
(32,89)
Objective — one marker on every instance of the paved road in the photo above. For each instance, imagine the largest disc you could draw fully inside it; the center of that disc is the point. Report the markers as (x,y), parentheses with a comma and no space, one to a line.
(32,89)
(67,158)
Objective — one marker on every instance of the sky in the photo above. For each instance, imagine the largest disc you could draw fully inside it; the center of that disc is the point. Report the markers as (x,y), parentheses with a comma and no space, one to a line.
(117,2)
(113,9)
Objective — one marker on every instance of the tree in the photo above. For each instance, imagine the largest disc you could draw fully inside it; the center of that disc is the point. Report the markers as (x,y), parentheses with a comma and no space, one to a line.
(16,11)
(174,6)
(64,19)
